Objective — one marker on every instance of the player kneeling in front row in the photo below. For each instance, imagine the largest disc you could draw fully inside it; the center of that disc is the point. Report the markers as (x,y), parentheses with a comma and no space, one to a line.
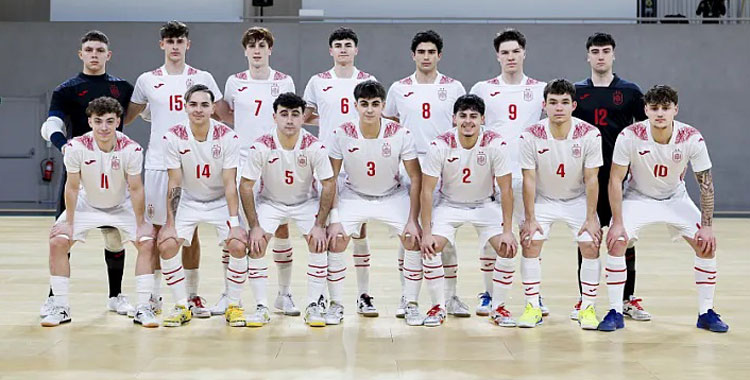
(657,151)
(560,157)
(201,159)
(103,166)
(287,162)
(371,150)
(469,160)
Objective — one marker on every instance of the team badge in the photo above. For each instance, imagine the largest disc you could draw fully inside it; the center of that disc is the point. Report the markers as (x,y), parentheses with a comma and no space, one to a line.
(189,82)
(618,98)
(677,156)
(302,161)
(150,211)
(442,94)
(528,95)
(114,91)
(481,159)
(115,163)
(274,90)
(576,151)
(386,149)
(216,151)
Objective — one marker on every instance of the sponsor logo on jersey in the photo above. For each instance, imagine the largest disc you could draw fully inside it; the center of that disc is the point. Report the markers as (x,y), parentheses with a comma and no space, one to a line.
(452,159)
(114,91)
(159,85)
(576,151)
(184,151)
(216,151)
(189,82)
(677,156)
(242,89)
(271,161)
(89,162)
(618,98)
(528,95)
(327,88)
(274,90)
(481,159)
(83,93)
(302,161)
(408,94)
(493,94)
(644,152)
(442,94)
(386,150)
(543,151)
(115,163)
(584,96)
(352,150)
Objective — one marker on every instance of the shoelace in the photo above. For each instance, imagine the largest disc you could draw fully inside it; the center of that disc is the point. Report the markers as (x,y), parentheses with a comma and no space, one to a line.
(198,301)
(434,311)
(636,302)
(502,311)
(367,300)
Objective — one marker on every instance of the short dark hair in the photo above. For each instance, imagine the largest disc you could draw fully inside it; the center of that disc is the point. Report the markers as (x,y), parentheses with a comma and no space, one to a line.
(104,105)
(369,89)
(198,88)
(343,33)
(509,34)
(469,102)
(427,36)
(600,39)
(174,29)
(94,35)
(289,100)
(559,87)
(255,34)
(660,95)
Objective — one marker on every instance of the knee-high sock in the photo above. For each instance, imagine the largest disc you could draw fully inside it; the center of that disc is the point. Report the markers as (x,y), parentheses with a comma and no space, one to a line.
(115,260)
(257,274)
(412,275)
(157,284)
(487,265)
(174,276)
(237,273)
(616,277)
(589,281)
(705,279)
(434,277)
(282,256)
(362,265)
(317,271)
(336,275)
(502,280)
(191,282)
(225,264)
(144,284)
(450,265)
(531,276)
(401,254)
(629,289)
(60,286)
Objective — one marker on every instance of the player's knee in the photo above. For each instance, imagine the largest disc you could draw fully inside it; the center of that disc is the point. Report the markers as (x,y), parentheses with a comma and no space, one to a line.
(410,244)
(588,250)
(618,249)
(59,246)
(338,245)
(282,232)
(236,248)
(168,248)
(112,239)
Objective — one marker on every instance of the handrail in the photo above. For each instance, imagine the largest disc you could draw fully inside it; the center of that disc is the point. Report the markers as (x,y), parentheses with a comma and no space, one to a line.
(722,20)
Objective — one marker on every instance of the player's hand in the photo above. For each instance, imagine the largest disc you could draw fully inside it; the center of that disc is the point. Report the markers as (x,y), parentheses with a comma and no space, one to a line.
(239,234)
(511,246)
(616,233)
(333,232)
(706,240)
(412,233)
(144,231)
(428,246)
(528,229)
(62,229)
(317,236)
(256,240)
(594,229)
(165,233)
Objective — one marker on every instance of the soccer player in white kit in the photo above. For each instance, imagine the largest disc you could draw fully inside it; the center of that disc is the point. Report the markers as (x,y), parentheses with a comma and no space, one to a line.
(514,102)
(423,103)
(560,158)
(370,151)
(330,103)
(470,161)
(202,161)
(288,161)
(103,166)
(656,152)
(248,105)
(162,91)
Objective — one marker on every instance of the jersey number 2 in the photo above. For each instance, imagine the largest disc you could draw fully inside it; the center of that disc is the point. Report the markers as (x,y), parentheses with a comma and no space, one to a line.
(467,173)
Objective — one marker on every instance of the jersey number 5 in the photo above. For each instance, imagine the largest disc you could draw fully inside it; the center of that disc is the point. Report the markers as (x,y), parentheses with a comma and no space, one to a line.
(288,178)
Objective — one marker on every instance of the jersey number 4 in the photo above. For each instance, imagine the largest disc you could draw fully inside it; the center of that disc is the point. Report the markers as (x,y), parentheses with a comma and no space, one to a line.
(561,170)
(206,172)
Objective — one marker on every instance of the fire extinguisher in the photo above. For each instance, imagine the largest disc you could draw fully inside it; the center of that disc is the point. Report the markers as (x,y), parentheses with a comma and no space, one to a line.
(48,168)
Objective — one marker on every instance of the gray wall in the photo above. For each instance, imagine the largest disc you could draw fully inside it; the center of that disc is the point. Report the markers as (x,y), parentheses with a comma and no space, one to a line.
(704,62)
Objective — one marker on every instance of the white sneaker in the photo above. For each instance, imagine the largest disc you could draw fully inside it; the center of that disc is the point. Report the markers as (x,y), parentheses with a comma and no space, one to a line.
(633,309)
(334,314)
(576,309)
(120,304)
(47,307)
(401,309)
(502,317)
(260,318)
(221,305)
(485,304)
(457,308)
(435,317)
(365,306)
(58,316)
(545,309)
(412,315)
(145,316)
(197,306)
(314,315)
(285,304)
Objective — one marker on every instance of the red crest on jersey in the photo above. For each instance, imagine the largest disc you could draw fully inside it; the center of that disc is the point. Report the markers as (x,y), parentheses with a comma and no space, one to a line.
(189,83)
(274,90)
(386,149)
(581,130)
(216,151)
(115,163)
(684,134)
(537,130)
(528,95)
(179,131)
(677,156)
(114,91)
(302,161)
(618,98)
(442,94)
(576,150)
(481,158)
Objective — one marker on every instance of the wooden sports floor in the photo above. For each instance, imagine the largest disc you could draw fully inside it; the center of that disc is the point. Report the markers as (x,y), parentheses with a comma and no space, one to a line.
(102,345)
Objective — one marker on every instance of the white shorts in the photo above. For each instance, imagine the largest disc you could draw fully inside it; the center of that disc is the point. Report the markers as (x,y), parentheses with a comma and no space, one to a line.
(679,213)
(190,212)
(88,217)
(155,183)
(487,219)
(354,210)
(271,215)
(572,212)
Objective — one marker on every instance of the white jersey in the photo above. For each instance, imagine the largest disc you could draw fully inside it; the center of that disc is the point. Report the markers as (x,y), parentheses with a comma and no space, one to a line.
(164,95)
(467,175)
(510,108)
(425,109)
(657,170)
(202,162)
(103,174)
(252,103)
(333,97)
(559,164)
(372,165)
(287,176)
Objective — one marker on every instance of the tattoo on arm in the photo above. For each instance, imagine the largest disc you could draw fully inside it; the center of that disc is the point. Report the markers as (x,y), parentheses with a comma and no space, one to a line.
(175,194)
(706,184)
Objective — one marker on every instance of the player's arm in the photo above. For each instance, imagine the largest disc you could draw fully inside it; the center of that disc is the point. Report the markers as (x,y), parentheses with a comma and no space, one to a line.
(248,202)
(616,231)
(428,189)
(311,116)
(230,191)
(223,112)
(505,183)
(72,187)
(134,109)
(530,225)
(137,197)
(53,129)
(415,176)
(592,225)
(705,237)
(174,194)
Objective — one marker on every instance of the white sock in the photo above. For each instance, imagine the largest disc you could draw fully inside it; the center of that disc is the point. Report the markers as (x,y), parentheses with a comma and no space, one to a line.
(191,282)
(317,271)
(412,275)
(705,279)
(487,265)
(590,273)
(257,274)
(157,284)
(531,276)
(336,275)
(282,256)
(450,266)
(362,265)
(616,276)
(60,287)
(502,280)
(144,284)
(225,264)
(174,276)
(401,253)
(237,270)
(434,277)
